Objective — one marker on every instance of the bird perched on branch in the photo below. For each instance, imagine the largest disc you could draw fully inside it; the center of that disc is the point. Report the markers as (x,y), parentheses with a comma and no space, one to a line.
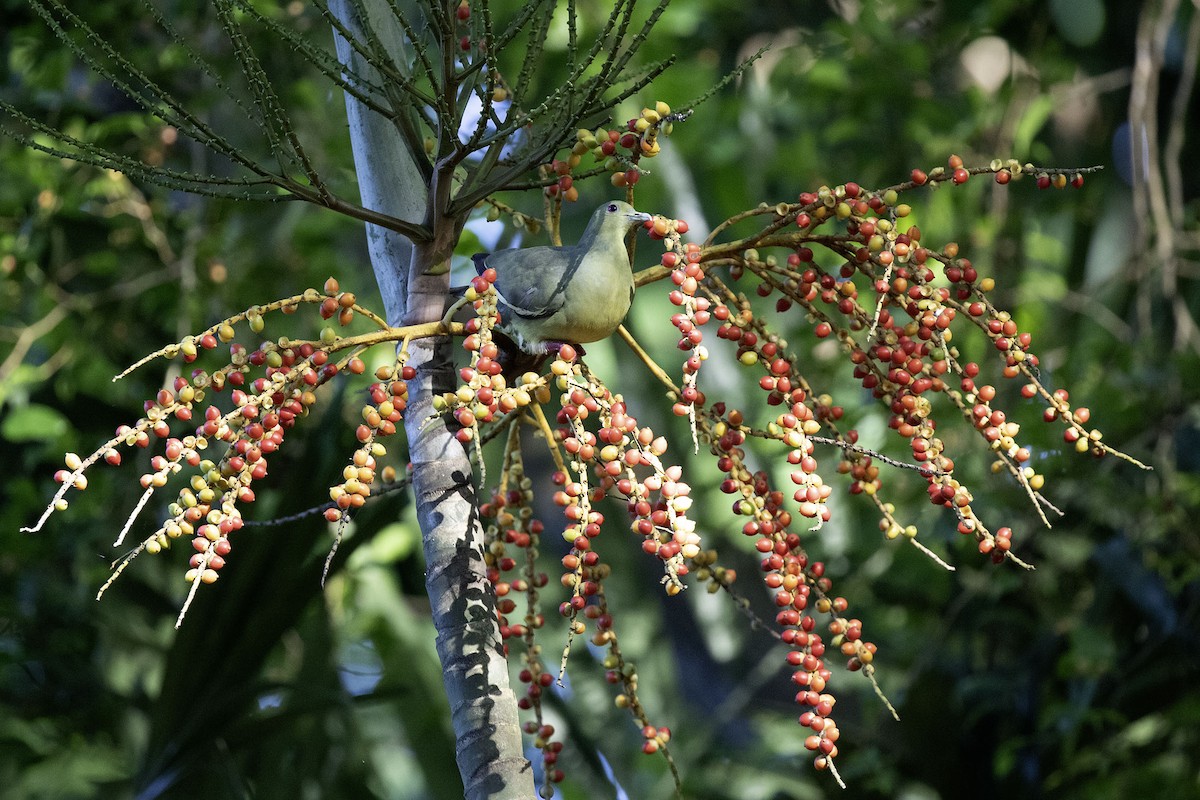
(554,295)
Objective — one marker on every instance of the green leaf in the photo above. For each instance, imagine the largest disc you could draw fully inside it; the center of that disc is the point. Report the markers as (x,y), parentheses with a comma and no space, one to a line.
(34,423)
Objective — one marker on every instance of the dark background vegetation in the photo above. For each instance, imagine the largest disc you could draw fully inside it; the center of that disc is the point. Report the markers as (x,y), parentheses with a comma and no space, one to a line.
(1077,680)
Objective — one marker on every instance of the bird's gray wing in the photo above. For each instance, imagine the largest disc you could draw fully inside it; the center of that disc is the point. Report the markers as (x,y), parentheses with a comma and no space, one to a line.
(531,281)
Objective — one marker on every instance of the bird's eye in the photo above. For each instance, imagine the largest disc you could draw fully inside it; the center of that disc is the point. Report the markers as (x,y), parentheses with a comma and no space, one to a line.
(612,208)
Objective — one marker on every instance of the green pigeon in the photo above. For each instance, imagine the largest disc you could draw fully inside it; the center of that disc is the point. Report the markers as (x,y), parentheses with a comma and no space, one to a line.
(550,296)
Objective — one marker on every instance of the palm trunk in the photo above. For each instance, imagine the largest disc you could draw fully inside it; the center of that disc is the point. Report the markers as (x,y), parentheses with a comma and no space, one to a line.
(483,708)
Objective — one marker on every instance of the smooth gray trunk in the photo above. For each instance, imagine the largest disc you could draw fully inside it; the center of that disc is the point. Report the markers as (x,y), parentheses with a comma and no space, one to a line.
(483,708)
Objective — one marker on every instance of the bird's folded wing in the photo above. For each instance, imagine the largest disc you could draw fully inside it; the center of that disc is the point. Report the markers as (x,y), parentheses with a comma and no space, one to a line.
(531,281)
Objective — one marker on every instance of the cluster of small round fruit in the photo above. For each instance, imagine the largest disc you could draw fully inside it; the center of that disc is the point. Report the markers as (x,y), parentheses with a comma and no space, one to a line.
(686,275)
(658,503)
(616,150)
(484,394)
(611,455)
(785,564)
(620,672)
(388,400)
(902,363)
(793,578)
(1004,170)
(509,522)
(270,387)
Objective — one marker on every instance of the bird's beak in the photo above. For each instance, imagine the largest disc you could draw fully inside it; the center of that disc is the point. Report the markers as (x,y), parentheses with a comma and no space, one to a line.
(640,217)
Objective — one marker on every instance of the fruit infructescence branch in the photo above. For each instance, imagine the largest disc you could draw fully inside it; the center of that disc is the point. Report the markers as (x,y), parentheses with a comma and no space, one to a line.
(843,257)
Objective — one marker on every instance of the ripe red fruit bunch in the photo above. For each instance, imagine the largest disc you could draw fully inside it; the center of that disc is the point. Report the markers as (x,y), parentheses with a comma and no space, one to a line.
(484,394)
(239,414)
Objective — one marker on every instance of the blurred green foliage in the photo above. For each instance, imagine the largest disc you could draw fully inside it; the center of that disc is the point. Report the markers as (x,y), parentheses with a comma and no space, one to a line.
(1074,681)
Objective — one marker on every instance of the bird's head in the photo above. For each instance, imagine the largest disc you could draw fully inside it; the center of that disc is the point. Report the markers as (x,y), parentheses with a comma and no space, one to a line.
(615,216)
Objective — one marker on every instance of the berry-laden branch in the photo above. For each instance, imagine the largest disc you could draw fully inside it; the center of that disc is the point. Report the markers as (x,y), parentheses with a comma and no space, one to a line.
(900,345)
(271,385)
(842,262)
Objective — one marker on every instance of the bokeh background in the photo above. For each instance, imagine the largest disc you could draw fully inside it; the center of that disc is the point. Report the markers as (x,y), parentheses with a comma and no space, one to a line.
(1077,680)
